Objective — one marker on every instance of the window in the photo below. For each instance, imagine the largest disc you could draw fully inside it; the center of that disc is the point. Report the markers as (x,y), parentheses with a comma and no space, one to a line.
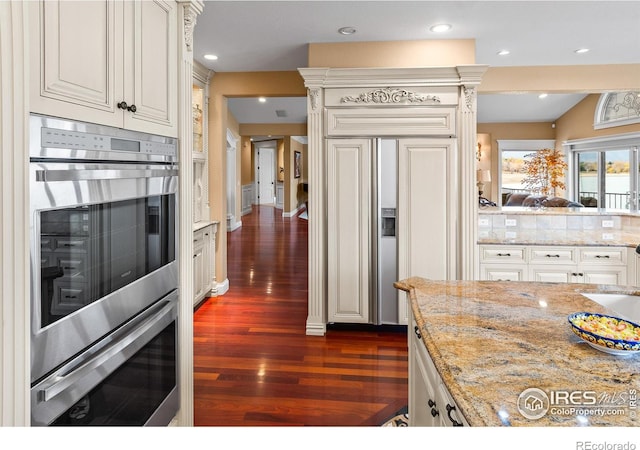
(606,172)
(511,168)
(617,108)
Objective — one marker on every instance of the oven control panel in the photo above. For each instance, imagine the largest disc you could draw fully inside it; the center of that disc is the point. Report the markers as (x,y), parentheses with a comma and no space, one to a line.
(55,138)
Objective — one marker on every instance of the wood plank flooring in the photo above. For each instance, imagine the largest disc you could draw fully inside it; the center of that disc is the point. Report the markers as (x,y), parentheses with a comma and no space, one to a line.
(255,366)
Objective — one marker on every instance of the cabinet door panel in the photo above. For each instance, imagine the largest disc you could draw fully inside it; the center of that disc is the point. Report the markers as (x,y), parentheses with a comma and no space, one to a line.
(427,207)
(75,54)
(551,274)
(606,276)
(150,62)
(348,225)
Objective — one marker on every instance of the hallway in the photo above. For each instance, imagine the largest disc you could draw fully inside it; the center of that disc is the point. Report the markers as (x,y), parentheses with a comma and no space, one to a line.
(255,366)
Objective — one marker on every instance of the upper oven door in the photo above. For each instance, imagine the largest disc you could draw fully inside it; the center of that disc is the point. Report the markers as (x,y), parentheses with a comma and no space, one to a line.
(103,248)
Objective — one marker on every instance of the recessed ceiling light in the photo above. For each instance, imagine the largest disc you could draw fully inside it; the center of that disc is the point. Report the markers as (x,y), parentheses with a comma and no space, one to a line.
(542,95)
(346,30)
(582,50)
(440,28)
(262,100)
(503,52)
(210,57)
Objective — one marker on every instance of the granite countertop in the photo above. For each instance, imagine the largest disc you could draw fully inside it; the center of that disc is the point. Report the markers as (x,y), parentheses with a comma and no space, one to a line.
(490,341)
(204,223)
(583,238)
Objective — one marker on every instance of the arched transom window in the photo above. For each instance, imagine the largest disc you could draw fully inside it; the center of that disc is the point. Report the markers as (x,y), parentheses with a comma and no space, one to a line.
(617,108)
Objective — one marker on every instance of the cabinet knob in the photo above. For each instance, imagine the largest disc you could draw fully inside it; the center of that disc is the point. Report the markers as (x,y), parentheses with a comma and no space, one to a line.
(431,403)
(417,332)
(435,412)
(123,105)
(453,421)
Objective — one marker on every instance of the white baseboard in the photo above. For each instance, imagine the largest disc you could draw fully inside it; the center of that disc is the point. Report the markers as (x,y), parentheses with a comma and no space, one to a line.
(221,288)
(292,213)
(235,226)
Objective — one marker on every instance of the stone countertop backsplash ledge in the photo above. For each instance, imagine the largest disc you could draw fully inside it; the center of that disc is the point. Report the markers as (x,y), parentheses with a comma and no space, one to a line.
(558,226)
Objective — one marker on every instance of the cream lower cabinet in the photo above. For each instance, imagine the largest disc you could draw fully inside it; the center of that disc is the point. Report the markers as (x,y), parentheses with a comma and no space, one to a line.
(430,403)
(556,264)
(204,242)
(107,62)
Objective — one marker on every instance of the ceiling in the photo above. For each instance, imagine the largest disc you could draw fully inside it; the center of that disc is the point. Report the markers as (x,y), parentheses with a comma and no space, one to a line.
(273,36)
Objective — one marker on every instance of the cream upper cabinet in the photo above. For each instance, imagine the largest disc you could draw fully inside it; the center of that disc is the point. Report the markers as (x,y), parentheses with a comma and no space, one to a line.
(106,62)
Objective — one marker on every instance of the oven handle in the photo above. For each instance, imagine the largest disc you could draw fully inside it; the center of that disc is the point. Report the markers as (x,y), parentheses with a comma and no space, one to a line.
(131,341)
(106,174)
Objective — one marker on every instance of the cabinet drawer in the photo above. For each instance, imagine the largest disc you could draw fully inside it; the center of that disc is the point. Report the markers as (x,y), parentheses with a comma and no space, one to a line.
(198,237)
(499,254)
(606,255)
(552,255)
(506,273)
(450,412)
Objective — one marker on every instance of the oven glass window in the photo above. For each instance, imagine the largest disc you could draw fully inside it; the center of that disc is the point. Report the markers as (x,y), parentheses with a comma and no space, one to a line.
(88,252)
(131,394)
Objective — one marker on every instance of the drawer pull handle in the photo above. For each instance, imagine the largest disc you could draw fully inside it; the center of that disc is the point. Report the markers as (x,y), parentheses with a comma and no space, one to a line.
(504,254)
(552,256)
(453,421)
(417,331)
(432,405)
(602,256)
(126,274)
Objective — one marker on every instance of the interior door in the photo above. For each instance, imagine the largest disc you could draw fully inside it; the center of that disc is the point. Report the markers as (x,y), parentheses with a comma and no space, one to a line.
(265,174)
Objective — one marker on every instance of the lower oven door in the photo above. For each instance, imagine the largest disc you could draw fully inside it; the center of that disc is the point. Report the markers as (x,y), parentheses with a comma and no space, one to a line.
(129,378)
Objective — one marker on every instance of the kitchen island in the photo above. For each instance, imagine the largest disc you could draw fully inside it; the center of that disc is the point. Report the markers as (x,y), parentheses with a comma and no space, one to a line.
(489,342)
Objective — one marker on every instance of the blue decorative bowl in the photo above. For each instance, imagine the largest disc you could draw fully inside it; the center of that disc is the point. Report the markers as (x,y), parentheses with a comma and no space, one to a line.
(603,343)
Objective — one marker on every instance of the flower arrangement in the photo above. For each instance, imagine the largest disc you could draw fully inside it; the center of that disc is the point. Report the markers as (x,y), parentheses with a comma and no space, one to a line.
(545,171)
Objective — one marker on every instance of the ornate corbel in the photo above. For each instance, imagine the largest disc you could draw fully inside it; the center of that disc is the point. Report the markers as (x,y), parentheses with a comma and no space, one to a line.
(190,19)
(314,97)
(470,97)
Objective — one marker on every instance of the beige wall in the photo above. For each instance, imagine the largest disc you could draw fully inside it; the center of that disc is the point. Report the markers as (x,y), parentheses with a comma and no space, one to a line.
(393,54)
(558,79)
(577,123)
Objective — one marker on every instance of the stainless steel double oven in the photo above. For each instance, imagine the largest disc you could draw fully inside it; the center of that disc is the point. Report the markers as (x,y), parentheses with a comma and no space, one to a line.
(104,275)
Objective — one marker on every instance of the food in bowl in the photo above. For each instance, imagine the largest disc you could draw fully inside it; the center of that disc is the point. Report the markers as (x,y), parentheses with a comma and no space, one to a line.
(609,332)
(609,327)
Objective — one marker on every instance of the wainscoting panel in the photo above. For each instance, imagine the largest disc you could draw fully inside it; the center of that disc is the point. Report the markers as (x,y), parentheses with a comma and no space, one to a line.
(247,198)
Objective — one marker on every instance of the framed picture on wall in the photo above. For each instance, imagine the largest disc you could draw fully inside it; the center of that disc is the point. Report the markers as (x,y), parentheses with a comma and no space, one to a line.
(297,156)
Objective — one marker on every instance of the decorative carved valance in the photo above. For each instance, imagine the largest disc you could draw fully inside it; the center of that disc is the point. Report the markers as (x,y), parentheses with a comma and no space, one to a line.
(390,95)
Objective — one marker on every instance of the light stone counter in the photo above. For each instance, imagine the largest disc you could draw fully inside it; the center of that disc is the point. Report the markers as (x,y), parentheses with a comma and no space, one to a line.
(490,341)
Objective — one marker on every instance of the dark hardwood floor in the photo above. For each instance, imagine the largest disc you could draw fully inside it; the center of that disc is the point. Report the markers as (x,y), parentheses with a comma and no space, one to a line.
(255,366)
